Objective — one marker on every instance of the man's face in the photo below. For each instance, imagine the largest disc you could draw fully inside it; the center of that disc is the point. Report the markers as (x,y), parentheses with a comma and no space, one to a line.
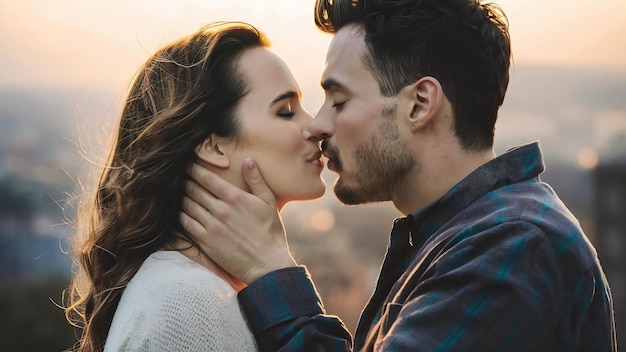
(359,125)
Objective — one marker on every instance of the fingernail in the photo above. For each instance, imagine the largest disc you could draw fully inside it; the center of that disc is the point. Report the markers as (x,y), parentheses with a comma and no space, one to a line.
(250,164)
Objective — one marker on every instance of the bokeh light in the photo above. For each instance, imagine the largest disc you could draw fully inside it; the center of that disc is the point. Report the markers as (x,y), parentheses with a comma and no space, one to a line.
(588,158)
(322,220)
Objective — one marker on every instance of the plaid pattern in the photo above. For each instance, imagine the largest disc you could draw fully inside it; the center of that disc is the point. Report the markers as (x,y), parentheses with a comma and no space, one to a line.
(496,264)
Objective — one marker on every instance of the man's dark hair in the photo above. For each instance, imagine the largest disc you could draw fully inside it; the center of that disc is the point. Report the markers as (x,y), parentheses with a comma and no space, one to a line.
(464,44)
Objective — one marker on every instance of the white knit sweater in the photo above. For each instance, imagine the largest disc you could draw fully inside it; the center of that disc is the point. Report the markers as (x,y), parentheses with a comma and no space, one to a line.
(175,304)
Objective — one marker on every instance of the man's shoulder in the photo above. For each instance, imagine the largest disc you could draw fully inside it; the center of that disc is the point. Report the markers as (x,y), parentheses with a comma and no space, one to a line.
(529,201)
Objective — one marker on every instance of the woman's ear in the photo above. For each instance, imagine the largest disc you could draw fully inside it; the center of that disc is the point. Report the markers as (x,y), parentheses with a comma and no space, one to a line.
(211,152)
(427,97)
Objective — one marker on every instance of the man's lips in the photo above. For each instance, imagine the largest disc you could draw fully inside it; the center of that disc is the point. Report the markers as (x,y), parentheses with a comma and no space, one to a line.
(328,152)
(331,165)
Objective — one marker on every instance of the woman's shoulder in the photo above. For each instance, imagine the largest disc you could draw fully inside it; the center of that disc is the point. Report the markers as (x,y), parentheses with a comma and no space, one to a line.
(172,287)
(167,273)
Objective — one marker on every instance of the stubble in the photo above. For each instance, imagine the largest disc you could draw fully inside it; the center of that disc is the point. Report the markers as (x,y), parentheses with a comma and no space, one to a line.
(382,164)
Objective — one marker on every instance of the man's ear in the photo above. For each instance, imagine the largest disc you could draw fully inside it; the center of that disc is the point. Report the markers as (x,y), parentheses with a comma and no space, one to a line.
(426,96)
(211,152)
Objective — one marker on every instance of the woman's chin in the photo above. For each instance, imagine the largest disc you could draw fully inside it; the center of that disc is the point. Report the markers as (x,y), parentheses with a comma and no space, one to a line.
(313,194)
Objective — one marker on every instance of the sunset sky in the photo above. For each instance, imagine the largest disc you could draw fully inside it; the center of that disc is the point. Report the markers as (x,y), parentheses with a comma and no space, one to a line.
(100,43)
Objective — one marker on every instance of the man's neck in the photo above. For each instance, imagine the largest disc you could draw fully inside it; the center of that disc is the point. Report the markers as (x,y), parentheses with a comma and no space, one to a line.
(435,175)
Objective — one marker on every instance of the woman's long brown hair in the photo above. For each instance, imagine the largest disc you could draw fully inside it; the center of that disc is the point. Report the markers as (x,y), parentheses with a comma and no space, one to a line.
(183,93)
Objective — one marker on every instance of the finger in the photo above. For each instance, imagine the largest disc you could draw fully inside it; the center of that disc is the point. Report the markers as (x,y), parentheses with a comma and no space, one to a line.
(200,195)
(191,226)
(210,212)
(213,183)
(195,210)
(255,181)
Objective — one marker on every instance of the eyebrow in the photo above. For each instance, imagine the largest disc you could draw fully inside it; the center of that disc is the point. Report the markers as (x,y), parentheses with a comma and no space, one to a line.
(287,95)
(331,84)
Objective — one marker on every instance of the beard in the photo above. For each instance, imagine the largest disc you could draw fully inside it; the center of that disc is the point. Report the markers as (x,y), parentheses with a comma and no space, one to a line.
(382,164)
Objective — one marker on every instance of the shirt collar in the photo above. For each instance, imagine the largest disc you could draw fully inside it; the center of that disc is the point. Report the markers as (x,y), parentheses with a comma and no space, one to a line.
(516,165)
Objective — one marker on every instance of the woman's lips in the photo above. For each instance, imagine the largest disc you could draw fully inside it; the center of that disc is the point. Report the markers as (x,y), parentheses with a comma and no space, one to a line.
(316,159)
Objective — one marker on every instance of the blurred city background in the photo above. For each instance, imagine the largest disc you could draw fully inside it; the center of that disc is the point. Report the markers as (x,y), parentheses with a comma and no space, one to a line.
(65,65)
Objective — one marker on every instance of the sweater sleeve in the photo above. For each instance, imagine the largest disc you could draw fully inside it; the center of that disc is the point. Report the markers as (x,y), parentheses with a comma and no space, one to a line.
(285,313)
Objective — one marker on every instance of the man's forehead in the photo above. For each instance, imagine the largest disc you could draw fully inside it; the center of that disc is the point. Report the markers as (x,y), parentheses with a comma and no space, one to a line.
(345,52)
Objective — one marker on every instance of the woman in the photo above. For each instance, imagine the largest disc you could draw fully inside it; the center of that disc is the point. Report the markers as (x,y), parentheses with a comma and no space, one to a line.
(214,97)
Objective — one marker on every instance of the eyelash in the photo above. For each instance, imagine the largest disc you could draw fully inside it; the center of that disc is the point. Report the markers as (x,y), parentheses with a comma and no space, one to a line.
(288,114)
(338,106)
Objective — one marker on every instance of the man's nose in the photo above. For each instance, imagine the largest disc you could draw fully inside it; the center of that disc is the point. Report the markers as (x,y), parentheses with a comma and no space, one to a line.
(322,126)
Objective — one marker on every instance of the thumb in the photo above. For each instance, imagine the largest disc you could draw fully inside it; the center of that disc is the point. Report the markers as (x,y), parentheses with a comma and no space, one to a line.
(255,181)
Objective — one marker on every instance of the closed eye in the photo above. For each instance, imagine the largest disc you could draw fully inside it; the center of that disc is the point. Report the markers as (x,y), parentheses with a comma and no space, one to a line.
(288,114)
(338,106)
(286,111)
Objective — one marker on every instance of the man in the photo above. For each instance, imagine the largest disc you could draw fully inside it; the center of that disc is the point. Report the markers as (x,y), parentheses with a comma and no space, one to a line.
(487,257)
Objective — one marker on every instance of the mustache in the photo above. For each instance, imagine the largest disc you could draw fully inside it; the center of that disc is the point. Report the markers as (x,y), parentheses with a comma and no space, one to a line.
(327,148)
(324,145)
(331,152)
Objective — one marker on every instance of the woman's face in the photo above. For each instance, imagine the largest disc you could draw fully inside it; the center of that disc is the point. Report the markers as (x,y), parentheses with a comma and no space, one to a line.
(273,131)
